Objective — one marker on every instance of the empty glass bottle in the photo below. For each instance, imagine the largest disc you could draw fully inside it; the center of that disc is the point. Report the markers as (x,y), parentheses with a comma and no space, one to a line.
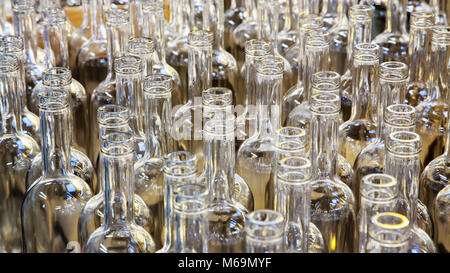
(288,33)
(442,219)
(17,150)
(402,161)
(379,193)
(432,113)
(419,52)
(244,32)
(440,9)
(235,15)
(53,203)
(256,154)
(143,48)
(388,233)
(111,118)
(13,44)
(332,201)
(360,130)
(339,38)
(118,30)
(119,233)
(80,36)
(264,232)
(359,31)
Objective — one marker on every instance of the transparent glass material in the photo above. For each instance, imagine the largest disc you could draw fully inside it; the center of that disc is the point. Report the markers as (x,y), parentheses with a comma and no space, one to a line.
(92,59)
(244,32)
(103,90)
(143,48)
(419,52)
(442,220)
(235,15)
(264,232)
(149,176)
(432,114)
(288,33)
(119,232)
(388,233)
(359,31)
(293,201)
(332,201)
(360,130)
(440,10)
(187,118)
(6,28)
(53,203)
(339,36)
(379,193)
(24,26)
(154,25)
(111,118)
(13,44)
(392,116)
(295,95)
(256,154)
(80,36)
(226,217)
(403,162)
(17,150)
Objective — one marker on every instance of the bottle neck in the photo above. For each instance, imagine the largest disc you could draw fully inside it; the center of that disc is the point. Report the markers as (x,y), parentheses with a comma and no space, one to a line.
(56,48)
(24,26)
(273,15)
(268,101)
(440,53)
(129,94)
(419,48)
(317,59)
(154,28)
(364,84)
(11,111)
(181,20)
(56,141)
(199,71)
(213,18)
(289,16)
(98,27)
(358,32)
(117,37)
(396,16)
(85,5)
(158,126)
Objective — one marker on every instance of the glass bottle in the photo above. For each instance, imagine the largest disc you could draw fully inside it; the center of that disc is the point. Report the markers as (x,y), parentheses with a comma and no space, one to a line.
(388,233)
(226,217)
(111,118)
(256,154)
(379,193)
(235,15)
(442,219)
(17,150)
(53,203)
(419,52)
(180,168)
(360,130)
(80,36)
(440,8)
(332,201)
(394,40)
(119,233)
(143,48)
(295,94)
(57,55)
(188,117)
(359,31)
(13,44)
(293,201)
(244,32)
(264,232)
(339,38)
(154,26)
(92,59)
(288,33)
(24,26)
(129,84)
(432,113)
(117,26)
(149,180)
(402,161)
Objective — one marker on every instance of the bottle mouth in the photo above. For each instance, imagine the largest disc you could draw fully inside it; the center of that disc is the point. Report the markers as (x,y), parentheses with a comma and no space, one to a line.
(270,65)
(128,65)
(379,187)
(441,35)
(220,127)
(360,13)
(190,198)
(54,16)
(117,16)
(8,63)
(390,221)
(400,115)
(57,76)
(23,6)
(325,103)
(422,19)
(404,143)
(394,71)
(112,115)
(158,85)
(180,163)
(389,228)
(257,48)
(326,81)
(141,46)
(200,38)
(118,144)
(217,96)
(53,100)
(294,170)
(264,224)
(11,44)
(310,22)
(153,6)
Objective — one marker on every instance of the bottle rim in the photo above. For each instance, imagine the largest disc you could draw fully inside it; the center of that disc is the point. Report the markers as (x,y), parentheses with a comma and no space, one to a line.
(110,114)
(158,85)
(57,76)
(200,38)
(141,46)
(393,71)
(128,65)
(8,63)
(52,99)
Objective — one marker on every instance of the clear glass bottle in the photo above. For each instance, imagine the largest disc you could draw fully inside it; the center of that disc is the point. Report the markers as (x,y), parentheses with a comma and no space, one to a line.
(359,31)
(379,193)
(288,32)
(402,161)
(440,8)
(129,93)
(154,26)
(53,203)
(264,232)
(394,40)
(388,233)
(143,48)
(13,44)
(419,52)
(111,118)
(119,233)
(187,118)
(432,114)
(117,26)
(246,31)
(24,26)
(441,224)
(92,59)
(293,201)
(235,15)
(17,150)
(256,154)
(57,55)
(360,130)
(332,201)
(80,36)
(149,178)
